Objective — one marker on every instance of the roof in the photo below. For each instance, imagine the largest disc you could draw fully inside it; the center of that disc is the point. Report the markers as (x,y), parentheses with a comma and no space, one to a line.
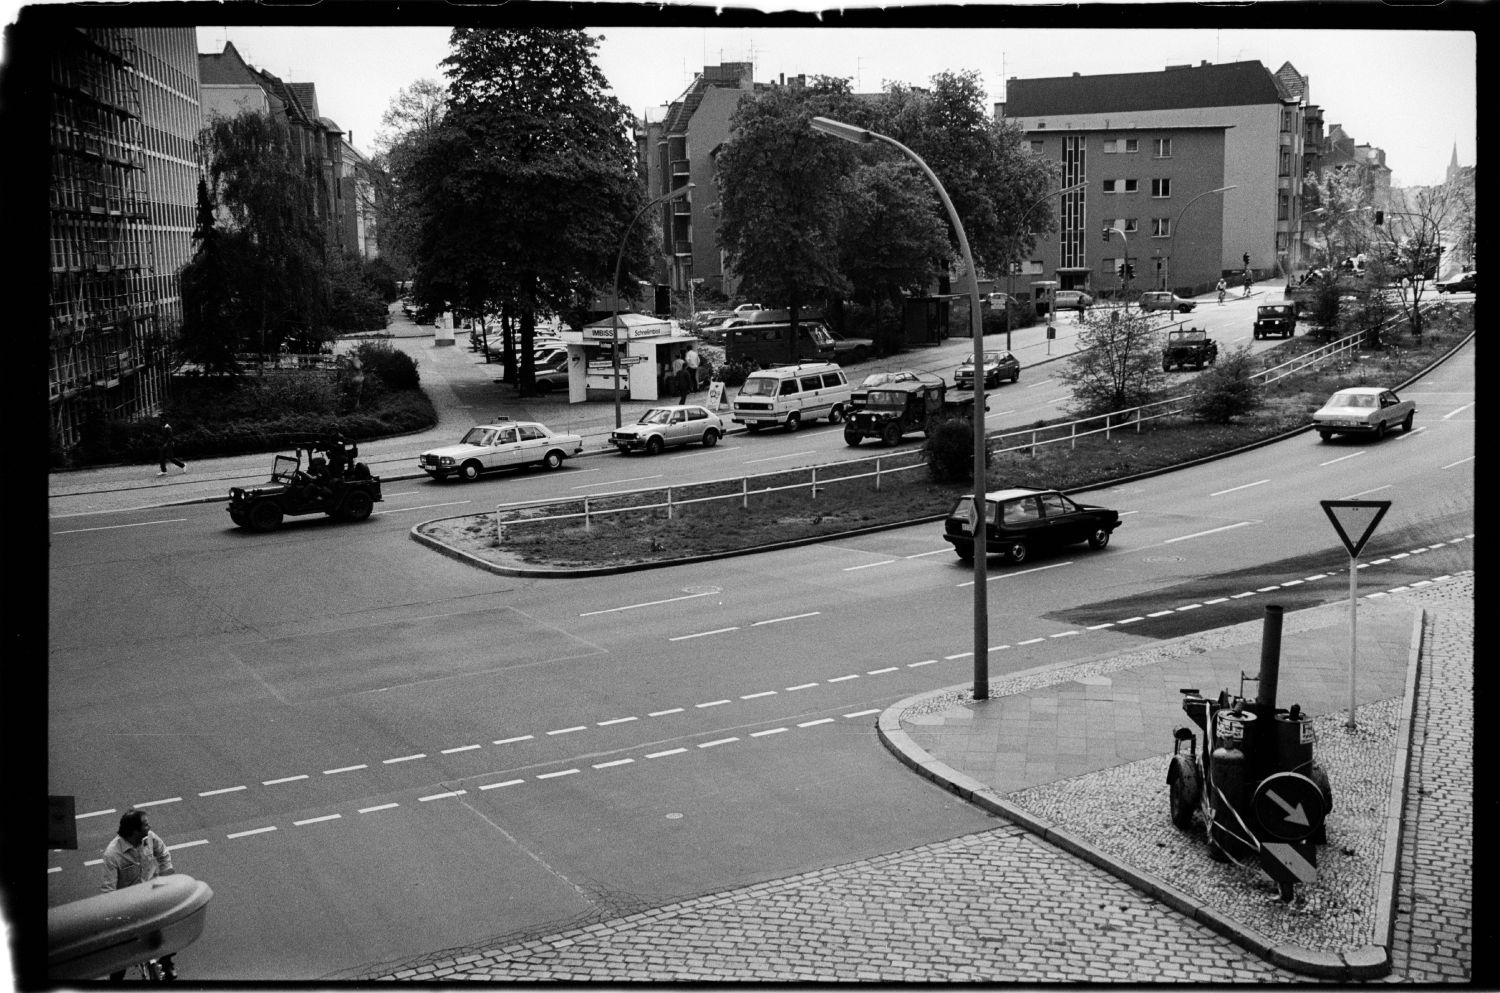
(1230,85)
(1363,390)
(1011,494)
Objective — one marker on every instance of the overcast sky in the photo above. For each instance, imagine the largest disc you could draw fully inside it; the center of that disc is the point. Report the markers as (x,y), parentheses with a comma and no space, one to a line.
(1412,93)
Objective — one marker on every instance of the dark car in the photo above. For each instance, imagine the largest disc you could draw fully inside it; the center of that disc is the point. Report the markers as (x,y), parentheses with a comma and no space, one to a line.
(333,484)
(998,367)
(1279,319)
(1464,282)
(1019,522)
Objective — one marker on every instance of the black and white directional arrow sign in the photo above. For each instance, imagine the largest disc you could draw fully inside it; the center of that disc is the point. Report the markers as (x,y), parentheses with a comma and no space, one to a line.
(1289,806)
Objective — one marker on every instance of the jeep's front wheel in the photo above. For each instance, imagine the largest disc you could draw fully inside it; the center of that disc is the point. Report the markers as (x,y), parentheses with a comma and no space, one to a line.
(891,434)
(264,516)
(853,438)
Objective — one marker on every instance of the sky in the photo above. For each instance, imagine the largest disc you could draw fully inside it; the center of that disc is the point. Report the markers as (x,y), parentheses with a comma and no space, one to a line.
(1412,93)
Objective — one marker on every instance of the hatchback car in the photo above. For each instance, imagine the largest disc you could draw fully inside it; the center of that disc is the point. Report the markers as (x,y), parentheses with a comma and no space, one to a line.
(846,349)
(662,427)
(1367,410)
(1166,300)
(1019,522)
(998,367)
(500,446)
(1072,300)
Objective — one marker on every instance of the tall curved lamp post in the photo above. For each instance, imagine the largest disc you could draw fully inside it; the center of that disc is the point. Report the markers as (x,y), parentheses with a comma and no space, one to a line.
(614,318)
(1016,249)
(1172,235)
(849,132)
(1125,267)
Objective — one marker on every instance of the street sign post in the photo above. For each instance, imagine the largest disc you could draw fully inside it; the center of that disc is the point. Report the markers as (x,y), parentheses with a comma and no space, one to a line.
(1355,521)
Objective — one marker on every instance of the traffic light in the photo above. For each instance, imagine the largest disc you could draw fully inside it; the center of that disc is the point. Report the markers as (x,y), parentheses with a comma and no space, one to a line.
(1129,269)
(1247,259)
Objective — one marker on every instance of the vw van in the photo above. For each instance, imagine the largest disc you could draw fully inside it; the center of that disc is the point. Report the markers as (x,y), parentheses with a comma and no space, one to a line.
(791,395)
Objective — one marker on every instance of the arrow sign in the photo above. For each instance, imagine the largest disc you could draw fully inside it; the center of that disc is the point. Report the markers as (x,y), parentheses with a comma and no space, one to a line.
(1289,806)
(1355,517)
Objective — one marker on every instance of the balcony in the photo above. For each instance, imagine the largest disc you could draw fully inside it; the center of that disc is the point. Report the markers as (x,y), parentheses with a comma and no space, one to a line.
(682,247)
(682,167)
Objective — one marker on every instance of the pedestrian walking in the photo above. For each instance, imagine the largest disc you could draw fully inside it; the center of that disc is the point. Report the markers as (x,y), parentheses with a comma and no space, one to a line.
(1223,289)
(1249,281)
(691,361)
(166,451)
(137,855)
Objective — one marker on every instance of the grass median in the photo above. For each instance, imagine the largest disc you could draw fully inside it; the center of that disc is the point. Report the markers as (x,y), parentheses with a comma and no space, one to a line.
(739,515)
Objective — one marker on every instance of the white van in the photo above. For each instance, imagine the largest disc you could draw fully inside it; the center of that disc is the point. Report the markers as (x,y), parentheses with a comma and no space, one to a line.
(792,395)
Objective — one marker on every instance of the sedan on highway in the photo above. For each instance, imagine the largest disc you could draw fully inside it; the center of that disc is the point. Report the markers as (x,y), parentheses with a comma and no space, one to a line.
(662,427)
(1366,410)
(998,367)
(1018,522)
(1165,300)
(500,446)
(1464,282)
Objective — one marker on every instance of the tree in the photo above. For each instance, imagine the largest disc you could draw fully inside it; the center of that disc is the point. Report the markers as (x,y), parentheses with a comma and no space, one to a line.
(1117,365)
(1414,242)
(1337,212)
(520,196)
(1228,388)
(781,187)
(414,114)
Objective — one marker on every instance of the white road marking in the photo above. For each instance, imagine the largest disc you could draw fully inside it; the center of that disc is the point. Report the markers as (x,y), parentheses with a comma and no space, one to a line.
(712,703)
(719,741)
(115,527)
(946,549)
(1024,572)
(762,734)
(704,634)
(1030,641)
(617,720)
(801,686)
(610,765)
(443,796)
(879,672)
(283,779)
(793,617)
(157,803)
(821,720)
(1239,596)
(1200,534)
(1217,599)
(508,782)
(314,820)
(1064,634)
(1246,486)
(405,758)
(111,810)
(844,679)
(1190,606)
(509,741)
(243,834)
(774,458)
(576,727)
(664,713)
(425,506)
(383,806)
(1341,458)
(188,844)
(863,713)
(460,748)
(1450,465)
(753,696)
(1356,496)
(960,655)
(649,603)
(227,789)
(1100,627)
(1131,620)
(867,565)
(1455,413)
(632,479)
(347,768)
(554,775)
(913,665)
(670,751)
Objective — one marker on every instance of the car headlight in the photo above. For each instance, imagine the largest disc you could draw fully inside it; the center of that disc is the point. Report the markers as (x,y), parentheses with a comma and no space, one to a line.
(446,460)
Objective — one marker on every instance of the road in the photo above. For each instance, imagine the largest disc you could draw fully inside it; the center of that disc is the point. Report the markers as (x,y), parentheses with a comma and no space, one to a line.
(372,752)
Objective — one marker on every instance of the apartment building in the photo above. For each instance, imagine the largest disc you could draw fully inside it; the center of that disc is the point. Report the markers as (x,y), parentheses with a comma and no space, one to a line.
(122,116)
(1149,146)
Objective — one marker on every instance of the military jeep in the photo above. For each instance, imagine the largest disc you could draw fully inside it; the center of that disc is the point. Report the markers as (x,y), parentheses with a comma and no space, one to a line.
(1279,319)
(890,411)
(1189,347)
(332,483)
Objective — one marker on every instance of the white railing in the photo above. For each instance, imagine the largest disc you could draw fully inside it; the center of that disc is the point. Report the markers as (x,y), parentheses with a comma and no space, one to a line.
(745,487)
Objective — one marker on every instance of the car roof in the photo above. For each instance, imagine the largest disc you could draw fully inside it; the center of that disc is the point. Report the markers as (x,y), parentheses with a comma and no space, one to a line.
(1013,493)
(1363,389)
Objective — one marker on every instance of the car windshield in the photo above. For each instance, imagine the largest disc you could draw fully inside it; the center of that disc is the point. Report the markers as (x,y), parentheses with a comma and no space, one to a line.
(656,415)
(759,386)
(1352,400)
(887,398)
(476,436)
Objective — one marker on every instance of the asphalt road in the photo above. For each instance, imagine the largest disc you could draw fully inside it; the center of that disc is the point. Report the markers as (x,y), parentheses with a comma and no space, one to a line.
(372,751)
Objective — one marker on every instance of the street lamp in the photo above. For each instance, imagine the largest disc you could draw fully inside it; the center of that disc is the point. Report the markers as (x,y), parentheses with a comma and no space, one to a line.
(1172,234)
(614,319)
(849,132)
(1124,266)
(1016,249)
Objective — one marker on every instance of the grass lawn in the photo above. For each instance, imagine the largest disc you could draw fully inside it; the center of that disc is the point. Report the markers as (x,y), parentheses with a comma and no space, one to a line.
(621,531)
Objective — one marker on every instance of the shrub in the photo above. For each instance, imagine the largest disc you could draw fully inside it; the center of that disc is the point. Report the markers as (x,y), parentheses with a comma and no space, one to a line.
(949,450)
(394,368)
(1226,390)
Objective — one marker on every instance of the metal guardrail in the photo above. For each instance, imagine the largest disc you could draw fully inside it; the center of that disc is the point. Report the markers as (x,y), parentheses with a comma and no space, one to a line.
(1027,440)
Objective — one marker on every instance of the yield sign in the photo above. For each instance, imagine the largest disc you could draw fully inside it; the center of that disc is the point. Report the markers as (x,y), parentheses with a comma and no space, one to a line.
(1355,520)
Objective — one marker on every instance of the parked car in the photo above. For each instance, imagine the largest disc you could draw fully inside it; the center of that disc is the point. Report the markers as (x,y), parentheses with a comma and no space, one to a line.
(1367,410)
(846,349)
(1464,282)
(662,427)
(1166,300)
(998,366)
(500,446)
(1279,319)
(1019,522)
(548,379)
(1072,300)
(745,308)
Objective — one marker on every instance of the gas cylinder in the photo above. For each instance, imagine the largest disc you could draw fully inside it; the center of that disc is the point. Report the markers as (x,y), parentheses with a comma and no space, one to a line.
(1228,763)
(1292,741)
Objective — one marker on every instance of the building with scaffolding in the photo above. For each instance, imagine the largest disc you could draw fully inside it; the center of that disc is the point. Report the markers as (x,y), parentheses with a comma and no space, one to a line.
(123,122)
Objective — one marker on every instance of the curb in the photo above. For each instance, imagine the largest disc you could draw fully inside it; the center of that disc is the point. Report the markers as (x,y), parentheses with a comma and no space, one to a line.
(1361,963)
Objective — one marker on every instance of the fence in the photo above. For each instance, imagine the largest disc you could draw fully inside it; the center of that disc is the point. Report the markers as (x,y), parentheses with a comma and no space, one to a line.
(745,487)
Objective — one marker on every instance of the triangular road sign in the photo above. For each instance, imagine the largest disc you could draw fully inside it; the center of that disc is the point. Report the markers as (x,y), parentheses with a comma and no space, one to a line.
(1355,517)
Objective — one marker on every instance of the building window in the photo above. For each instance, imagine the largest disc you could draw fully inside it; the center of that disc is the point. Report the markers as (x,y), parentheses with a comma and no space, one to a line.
(1288,118)
(1109,146)
(1286,162)
(1114,266)
(1161,227)
(1132,144)
(1132,186)
(1284,207)
(1161,188)
(1161,148)
(1036,148)
(1109,186)
(1131,225)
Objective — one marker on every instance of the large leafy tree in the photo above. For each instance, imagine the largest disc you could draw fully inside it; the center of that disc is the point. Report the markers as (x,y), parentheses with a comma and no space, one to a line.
(1117,365)
(520,197)
(415,113)
(781,187)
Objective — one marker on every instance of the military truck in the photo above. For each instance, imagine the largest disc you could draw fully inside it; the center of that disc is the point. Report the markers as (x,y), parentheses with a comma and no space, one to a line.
(1279,319)
(1188,347)
(332,483)
(892,410)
